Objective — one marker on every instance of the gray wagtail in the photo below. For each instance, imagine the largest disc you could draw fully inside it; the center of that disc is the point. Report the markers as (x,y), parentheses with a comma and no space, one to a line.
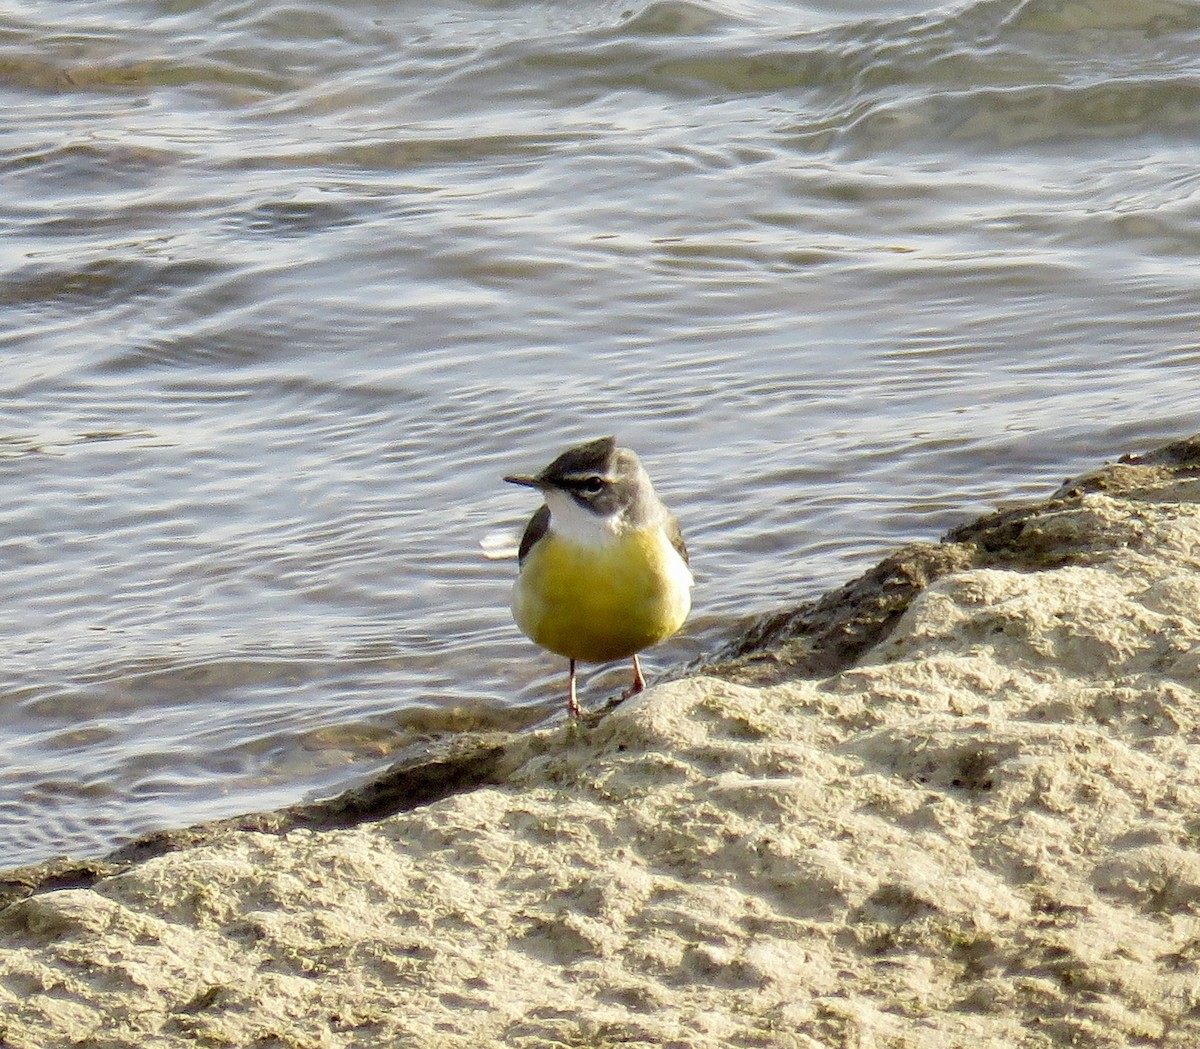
(603,566)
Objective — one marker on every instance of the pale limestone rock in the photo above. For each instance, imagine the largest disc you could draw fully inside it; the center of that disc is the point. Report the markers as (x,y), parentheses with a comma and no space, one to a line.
(983,834)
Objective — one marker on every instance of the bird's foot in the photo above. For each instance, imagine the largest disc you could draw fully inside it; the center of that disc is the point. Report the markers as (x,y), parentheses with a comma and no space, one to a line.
(631,691)
(639,682)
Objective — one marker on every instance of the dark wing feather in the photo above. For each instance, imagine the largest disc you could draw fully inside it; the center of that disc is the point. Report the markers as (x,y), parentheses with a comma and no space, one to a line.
(538,524)
(676,537)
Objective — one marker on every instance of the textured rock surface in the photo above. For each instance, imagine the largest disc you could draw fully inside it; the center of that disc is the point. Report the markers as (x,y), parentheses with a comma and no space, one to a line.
(977,827)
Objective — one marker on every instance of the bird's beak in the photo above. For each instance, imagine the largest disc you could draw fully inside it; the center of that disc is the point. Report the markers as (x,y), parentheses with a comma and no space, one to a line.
(528,482)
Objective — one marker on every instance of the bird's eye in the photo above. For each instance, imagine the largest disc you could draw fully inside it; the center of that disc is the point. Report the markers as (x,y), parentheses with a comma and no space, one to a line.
(593,485)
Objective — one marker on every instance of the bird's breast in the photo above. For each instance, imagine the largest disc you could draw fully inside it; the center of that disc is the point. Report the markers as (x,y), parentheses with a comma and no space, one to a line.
(602,602)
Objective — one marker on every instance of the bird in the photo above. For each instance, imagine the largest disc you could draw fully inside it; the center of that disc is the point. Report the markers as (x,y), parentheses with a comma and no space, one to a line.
(603,567)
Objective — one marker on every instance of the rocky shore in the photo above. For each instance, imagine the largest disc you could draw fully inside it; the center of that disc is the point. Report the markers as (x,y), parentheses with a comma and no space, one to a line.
(954,804)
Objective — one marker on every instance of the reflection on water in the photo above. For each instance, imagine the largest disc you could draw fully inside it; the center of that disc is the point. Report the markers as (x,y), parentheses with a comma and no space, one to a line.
(288,287)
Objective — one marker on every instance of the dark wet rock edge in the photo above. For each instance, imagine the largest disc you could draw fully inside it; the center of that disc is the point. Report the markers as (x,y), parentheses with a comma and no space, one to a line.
(829,634)
(433,772)
(817,639)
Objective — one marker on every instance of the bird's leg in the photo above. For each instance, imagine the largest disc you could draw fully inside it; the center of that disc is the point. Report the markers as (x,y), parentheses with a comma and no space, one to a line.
(639,682)
(572,700)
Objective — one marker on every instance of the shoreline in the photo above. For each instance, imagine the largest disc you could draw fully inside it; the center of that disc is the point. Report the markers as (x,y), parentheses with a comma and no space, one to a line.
(949,803)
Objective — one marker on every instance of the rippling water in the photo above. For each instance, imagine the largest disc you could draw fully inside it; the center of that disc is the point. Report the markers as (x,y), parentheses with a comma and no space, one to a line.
(289,285)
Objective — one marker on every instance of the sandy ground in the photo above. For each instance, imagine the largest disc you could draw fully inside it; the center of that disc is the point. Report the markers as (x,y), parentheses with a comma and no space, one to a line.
(955,804)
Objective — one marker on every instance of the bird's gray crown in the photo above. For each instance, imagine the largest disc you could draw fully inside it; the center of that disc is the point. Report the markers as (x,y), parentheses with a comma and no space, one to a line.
(595,459)
(604,479)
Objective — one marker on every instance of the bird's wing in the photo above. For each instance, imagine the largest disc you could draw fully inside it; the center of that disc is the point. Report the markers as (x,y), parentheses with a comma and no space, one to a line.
(676,537)
(538,524)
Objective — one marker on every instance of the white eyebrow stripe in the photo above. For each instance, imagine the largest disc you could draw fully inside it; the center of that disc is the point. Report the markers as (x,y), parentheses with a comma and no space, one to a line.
(587,475)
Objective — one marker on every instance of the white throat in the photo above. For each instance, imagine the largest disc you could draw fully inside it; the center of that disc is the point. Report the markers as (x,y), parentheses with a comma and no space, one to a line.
(577,525)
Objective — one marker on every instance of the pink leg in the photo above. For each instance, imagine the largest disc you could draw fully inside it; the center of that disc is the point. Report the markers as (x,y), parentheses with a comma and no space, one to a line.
(639,682)
(572,699)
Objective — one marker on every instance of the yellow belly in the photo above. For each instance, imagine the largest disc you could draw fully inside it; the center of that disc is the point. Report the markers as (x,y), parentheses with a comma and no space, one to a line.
(599,603)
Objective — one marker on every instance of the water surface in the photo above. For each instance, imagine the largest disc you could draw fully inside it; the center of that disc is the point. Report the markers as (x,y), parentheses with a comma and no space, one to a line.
(287,287)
